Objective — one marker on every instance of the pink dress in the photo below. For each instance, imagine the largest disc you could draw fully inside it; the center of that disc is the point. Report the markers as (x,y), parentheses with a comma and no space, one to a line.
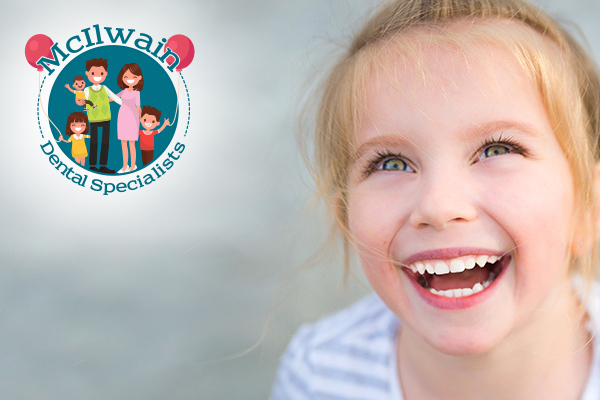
(128,120)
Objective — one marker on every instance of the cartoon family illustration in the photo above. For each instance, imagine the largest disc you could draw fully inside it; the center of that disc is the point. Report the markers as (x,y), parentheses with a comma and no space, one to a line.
(96,100)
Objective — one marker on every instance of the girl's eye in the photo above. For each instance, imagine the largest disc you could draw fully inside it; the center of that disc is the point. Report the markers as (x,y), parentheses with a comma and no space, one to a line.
(495,150)
(499,147)
(395,164)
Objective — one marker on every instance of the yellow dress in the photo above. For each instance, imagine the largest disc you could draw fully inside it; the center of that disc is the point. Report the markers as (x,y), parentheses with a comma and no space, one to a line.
(78,150)
(79,94)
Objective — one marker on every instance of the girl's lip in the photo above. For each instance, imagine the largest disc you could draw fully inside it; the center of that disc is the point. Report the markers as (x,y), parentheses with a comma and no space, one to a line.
(451,252)
(459,303)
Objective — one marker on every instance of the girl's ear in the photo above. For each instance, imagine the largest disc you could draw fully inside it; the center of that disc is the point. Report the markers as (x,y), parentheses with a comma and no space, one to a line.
(596,227)
(588,234)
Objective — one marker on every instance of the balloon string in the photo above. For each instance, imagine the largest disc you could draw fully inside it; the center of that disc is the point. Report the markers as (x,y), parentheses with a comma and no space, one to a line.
(177,106)
(42,105)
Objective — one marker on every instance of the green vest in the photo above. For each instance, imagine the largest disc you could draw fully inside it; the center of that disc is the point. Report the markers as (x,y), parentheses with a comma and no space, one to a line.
(100,99)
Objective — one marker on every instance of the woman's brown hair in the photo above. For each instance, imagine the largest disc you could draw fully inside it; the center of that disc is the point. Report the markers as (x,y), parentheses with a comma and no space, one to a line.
(136,70)
(77,117)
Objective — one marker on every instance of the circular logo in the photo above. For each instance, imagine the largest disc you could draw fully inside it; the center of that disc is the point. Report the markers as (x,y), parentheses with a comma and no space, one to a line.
(116,115)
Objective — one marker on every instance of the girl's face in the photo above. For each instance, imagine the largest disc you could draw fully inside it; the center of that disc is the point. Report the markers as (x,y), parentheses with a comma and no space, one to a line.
(78,127)
(130,79)
(455,169)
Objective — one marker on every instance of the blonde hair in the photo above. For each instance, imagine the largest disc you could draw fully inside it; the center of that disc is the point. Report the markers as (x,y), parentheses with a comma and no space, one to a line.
(567,79)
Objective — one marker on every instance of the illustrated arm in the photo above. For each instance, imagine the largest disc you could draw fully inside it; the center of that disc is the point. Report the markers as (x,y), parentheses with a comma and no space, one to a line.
(112,96)
(166,123)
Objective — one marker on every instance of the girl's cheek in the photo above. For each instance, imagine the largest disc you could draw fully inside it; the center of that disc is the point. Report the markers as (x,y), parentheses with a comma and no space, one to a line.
(371,224)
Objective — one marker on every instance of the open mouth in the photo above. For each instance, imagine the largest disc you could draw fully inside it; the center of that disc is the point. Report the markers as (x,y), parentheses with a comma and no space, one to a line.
(458,277)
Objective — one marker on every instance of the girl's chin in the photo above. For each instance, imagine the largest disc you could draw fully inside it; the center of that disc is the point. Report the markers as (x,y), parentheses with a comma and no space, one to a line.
(464,344)
(463,327)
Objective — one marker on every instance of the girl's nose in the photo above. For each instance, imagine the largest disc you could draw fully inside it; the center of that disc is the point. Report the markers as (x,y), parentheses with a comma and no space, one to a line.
(445,197)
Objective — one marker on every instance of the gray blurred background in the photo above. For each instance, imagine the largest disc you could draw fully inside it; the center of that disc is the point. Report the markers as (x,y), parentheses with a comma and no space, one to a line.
(192,287)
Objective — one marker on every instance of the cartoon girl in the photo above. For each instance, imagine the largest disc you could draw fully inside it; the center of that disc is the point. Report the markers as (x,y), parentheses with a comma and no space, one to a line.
(77,129)
(130,79)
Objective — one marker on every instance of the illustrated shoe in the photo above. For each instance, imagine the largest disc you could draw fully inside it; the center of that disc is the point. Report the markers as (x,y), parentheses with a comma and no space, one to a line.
(105,170)
(93,168)
(133,168)
(123,170)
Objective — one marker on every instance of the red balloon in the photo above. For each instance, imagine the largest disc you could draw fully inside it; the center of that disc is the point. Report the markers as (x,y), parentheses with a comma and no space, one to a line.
(184,48)
(38,46)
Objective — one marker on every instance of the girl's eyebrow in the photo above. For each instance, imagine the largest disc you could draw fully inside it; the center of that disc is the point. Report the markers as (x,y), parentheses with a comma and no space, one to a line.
(477,131)
(489,128)
(384,141)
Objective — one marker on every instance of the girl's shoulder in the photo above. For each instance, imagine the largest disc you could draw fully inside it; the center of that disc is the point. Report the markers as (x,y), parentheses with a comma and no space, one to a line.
(362,319)
(350,349)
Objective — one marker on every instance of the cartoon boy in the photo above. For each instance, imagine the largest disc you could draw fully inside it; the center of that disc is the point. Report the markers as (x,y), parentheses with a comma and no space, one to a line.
(78,85)
(99,117)
(150,119)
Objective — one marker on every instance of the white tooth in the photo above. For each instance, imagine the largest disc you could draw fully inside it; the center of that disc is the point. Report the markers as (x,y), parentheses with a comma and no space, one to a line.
(457,266)
(457,292)
(477,288)
(448,293)
(470,263)
(481,260)
(467,292)
(493,259)
(430,268)
(441,268)
(413,268)
(432,290)
(486,284)
(420,267)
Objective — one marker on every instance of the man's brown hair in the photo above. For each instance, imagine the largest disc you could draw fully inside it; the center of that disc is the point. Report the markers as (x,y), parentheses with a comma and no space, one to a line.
(151,111)
(96,62)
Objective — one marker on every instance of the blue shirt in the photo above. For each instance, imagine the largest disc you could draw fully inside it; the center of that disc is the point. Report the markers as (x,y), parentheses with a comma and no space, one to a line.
(351,355)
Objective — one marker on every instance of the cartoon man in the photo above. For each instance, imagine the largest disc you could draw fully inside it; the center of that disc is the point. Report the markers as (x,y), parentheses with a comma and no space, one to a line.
(99,117)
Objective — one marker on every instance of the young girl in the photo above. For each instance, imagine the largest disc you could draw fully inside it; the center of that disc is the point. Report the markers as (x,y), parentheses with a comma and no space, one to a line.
(130,79)
(77,129)
(456,146)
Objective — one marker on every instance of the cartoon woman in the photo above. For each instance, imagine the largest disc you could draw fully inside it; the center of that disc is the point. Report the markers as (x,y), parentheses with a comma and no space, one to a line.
(131,81)
(77,129)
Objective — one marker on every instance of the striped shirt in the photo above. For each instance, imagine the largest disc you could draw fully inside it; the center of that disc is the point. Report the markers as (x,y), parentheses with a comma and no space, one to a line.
(351,355)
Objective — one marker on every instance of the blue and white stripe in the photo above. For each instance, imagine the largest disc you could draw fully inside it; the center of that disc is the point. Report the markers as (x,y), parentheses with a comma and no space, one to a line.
(350,355)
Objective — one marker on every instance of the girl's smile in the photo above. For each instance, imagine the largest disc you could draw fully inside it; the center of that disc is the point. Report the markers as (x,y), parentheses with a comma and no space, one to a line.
(460,197)
(130,79)
(77,126)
